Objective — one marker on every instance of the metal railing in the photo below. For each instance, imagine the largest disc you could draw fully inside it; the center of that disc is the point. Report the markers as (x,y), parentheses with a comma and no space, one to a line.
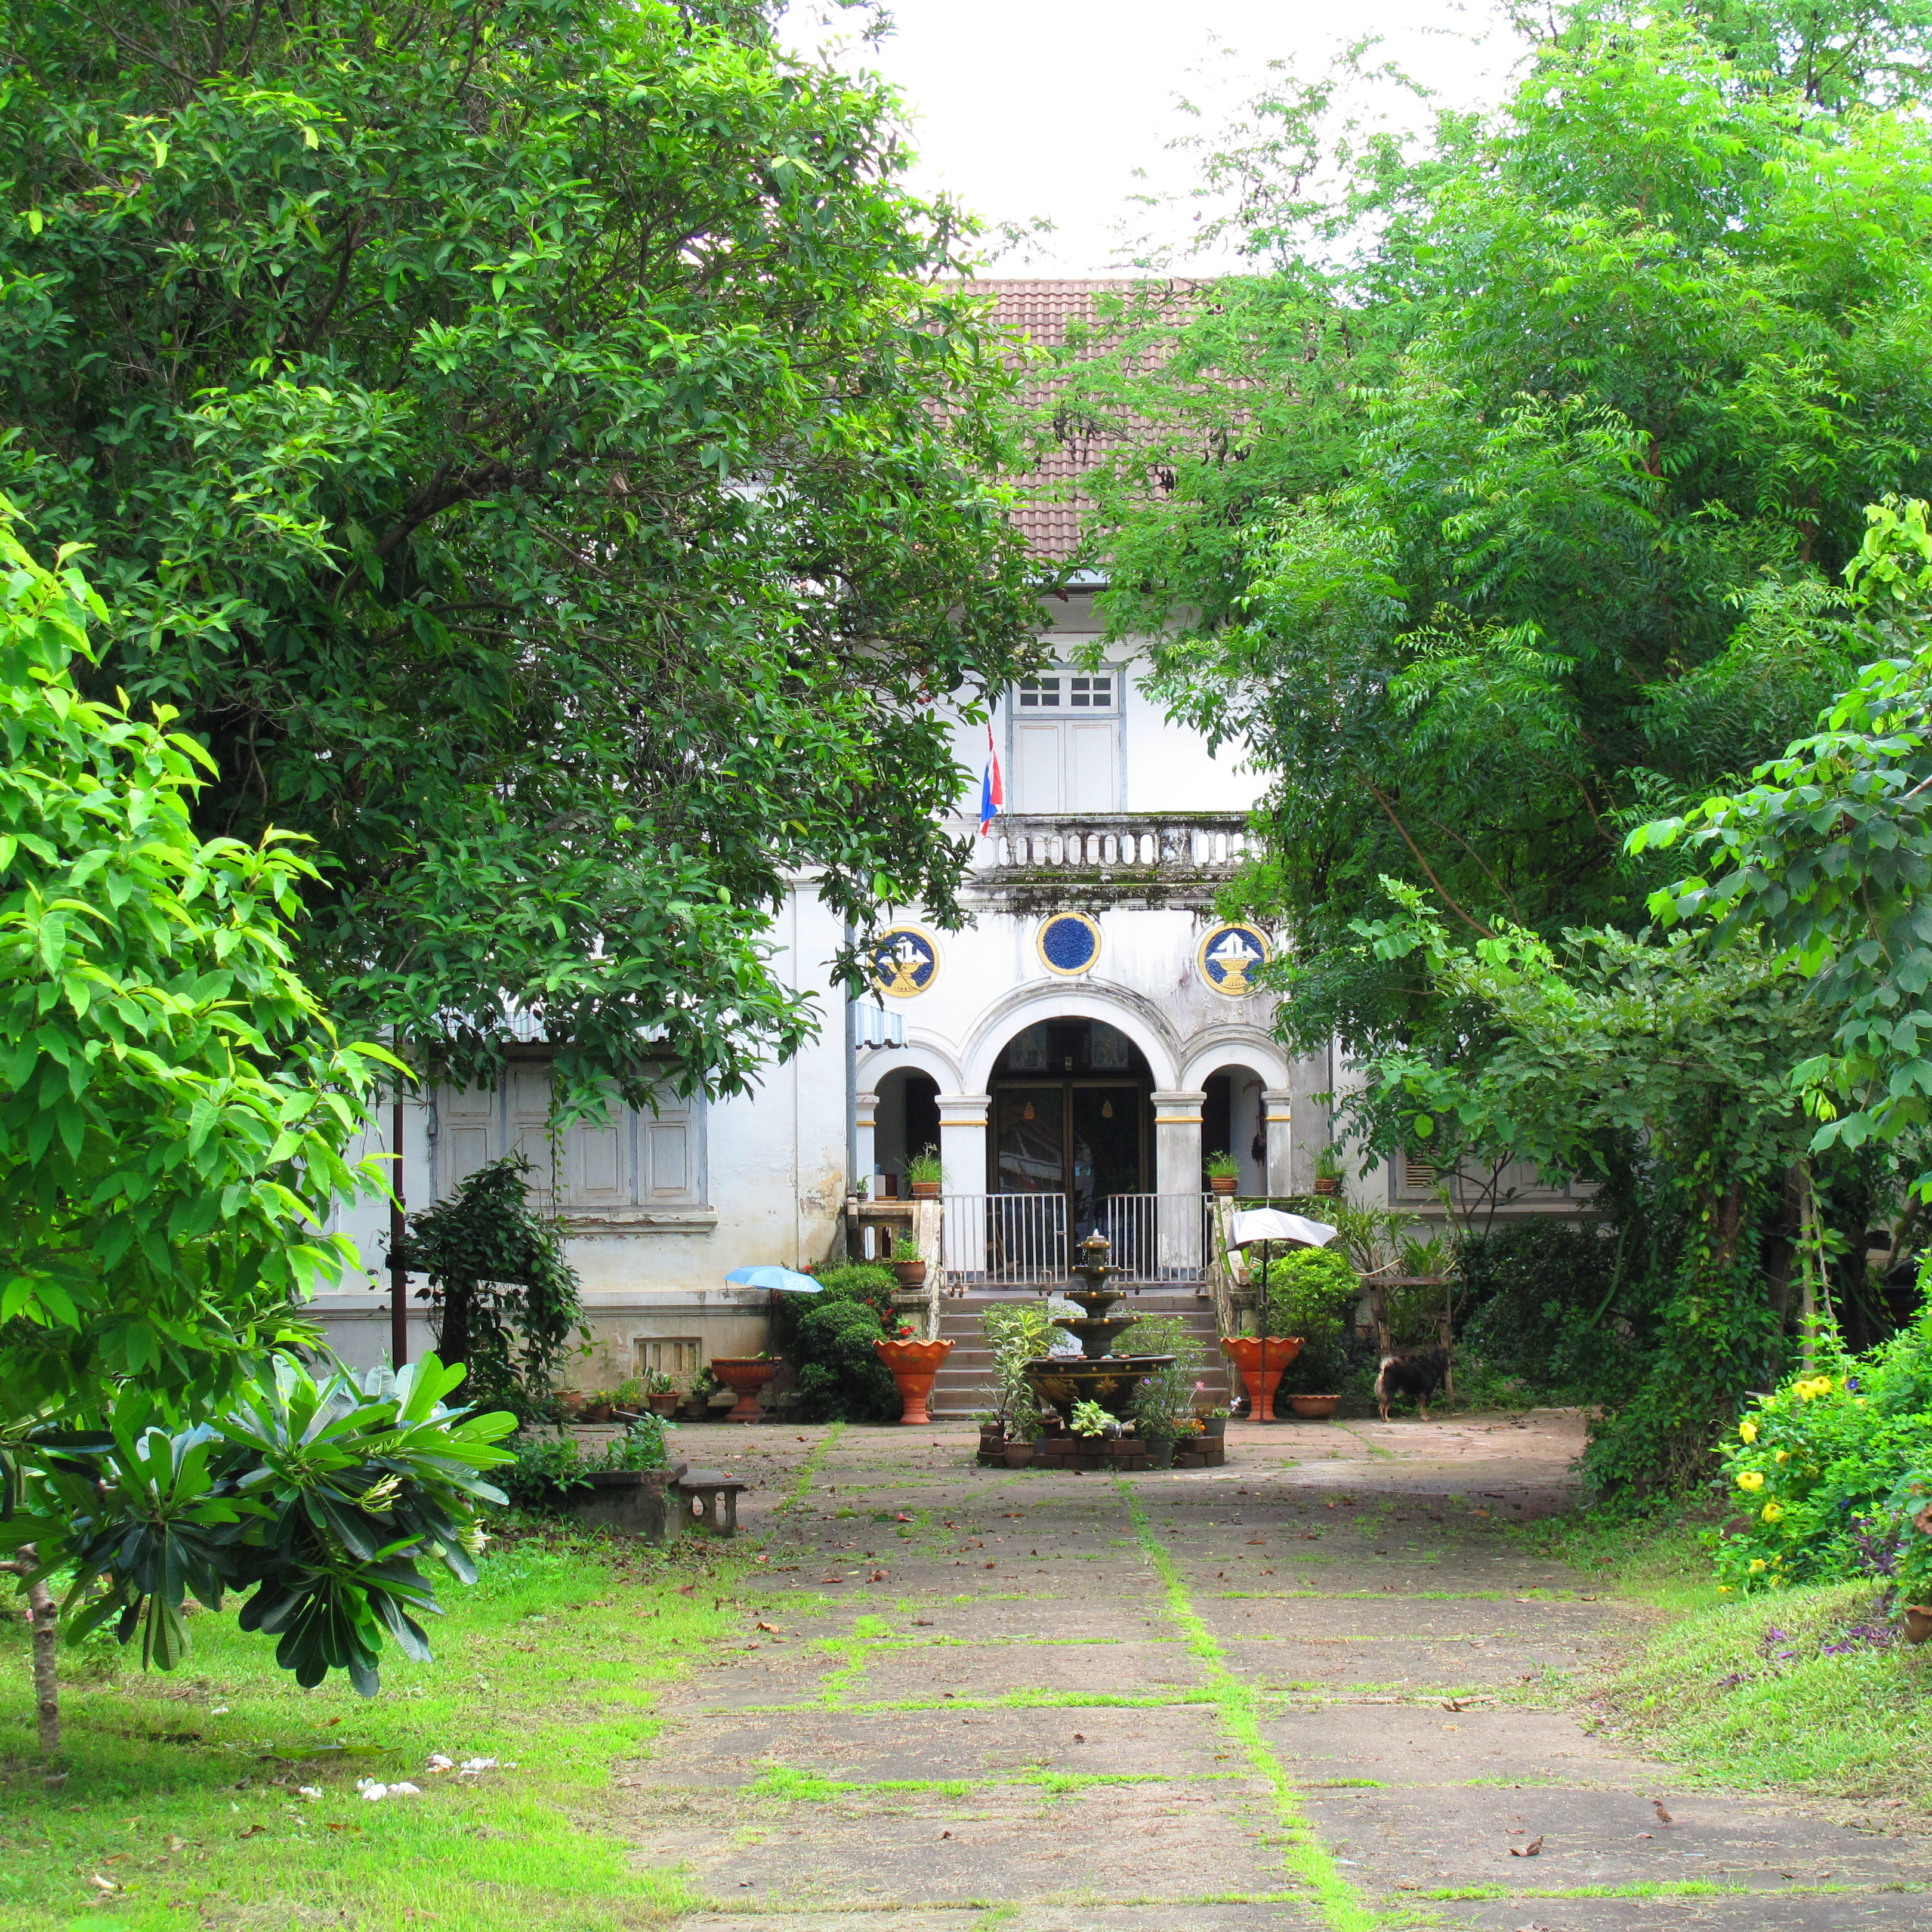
(1004,1240)
(1026,1241)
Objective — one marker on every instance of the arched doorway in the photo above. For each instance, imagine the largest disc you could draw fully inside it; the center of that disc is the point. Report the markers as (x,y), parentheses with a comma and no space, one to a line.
(1070,1116)
(906,1123)
(1234,1121)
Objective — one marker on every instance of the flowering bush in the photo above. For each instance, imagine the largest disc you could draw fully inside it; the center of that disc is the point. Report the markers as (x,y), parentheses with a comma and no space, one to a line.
(1833,1473)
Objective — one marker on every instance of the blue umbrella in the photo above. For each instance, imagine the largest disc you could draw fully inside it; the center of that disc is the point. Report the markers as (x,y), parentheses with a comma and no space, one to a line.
(789,1279)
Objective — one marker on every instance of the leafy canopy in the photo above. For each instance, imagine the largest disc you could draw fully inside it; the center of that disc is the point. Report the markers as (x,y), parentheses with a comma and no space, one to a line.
(174,1106)
(525,441)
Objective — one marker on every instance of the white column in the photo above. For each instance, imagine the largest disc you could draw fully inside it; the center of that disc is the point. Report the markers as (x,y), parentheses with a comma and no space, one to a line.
(865,1118)
(1280,1104)
(1177,1167)
(962,1158)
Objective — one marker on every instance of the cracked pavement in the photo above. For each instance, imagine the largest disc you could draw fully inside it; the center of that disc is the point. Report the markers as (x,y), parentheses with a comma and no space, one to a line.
(1311,1689)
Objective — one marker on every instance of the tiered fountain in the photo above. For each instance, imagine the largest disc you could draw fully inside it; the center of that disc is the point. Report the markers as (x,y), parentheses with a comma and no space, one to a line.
(1095,1374)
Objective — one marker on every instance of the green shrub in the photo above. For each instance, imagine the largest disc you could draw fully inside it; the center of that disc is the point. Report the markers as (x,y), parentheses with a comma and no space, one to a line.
(1167,1398)
(548,1469)
(1534,1302)
(1830,1470)
(840,1378)
(1312,1292)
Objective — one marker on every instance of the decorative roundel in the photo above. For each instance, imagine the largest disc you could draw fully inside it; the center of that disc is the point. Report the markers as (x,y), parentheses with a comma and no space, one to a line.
(904,960)
(1068,942)
(1229,954)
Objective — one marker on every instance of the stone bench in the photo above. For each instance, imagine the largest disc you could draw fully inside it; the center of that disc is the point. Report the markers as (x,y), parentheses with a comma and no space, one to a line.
(708,1500)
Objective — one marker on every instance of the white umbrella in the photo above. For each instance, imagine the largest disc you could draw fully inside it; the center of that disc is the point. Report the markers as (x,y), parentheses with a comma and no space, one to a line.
(1270,1224)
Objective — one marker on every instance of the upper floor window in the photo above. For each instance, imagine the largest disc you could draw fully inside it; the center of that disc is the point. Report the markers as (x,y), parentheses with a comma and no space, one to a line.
(1066,742)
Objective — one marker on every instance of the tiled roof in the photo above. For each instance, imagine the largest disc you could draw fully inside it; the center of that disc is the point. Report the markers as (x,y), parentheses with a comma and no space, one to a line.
(1051,511)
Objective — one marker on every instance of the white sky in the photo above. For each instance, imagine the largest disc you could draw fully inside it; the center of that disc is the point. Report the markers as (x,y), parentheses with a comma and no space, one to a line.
(1029,108)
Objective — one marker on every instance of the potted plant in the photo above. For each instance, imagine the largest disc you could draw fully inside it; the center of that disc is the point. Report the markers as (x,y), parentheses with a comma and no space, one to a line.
(924,1173)
(1223,1171)
(1093,1424)
(913,1363)
(744,1375)
(1315,1292)
(696,1406)
(597,1406)
(627,1398)
(661,1395)
(1019,1455)
(1015,1333)
(1327,1171)
(1162,1403)
(570,1403)
(992,1436)
(906,1261)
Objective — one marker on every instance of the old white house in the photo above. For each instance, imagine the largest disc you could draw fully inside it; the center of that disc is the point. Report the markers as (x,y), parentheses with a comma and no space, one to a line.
(1074,1055)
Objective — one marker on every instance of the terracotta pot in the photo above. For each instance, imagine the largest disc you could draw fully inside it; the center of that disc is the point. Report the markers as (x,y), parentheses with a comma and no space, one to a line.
(595,1412)
(926,1190)
(663,1404)
(1327,1183)
(694,1408)
(910,1274)
(571,1401)
(913,1365)
(744,1375)
(1221,1183)
(1019,1455)
(1315,1408)
(1245,1352)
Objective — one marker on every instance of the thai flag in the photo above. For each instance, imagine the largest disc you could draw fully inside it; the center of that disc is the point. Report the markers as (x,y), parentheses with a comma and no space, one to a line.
(992,788)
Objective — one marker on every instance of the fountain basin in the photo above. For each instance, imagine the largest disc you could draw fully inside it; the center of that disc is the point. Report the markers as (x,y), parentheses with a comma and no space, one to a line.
(1109,1380)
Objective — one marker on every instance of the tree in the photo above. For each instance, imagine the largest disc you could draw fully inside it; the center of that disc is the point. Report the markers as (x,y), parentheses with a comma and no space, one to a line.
(174,1109)
(1827,859)
(1662,1071)
(502,1297)
(526,443)
(174,1106)
(1652,339)
(321,1496)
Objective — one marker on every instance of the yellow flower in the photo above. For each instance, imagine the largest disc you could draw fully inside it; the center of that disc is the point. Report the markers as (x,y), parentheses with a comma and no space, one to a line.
(1772,1512)
(1723,1589)
(1757,1563)
(1815,1386)
(1750,1479)
(1784,1457)
(1748,1430)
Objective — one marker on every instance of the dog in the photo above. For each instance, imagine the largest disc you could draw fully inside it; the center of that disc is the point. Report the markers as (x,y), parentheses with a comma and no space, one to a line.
(1417,1375)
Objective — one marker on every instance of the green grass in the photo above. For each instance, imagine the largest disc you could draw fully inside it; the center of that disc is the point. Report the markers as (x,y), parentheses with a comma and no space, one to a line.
(1714,1691)
(1706,1689)
(1239,1706)
(181,1792)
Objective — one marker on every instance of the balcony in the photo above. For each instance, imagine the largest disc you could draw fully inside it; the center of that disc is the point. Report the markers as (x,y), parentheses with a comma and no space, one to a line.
(1146,857)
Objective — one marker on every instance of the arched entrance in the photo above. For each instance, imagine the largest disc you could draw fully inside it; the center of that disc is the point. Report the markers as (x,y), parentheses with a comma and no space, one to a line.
(1070,1115)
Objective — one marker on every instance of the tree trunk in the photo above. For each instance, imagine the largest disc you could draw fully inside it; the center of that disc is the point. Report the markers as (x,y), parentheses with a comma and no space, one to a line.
(41,1616)
(452,1334)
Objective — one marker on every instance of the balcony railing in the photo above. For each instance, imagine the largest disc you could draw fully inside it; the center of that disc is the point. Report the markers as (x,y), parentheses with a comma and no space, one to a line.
(1128,845)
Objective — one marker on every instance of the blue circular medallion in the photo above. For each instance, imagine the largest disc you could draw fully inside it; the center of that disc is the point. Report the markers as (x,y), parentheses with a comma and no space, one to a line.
(1068,942)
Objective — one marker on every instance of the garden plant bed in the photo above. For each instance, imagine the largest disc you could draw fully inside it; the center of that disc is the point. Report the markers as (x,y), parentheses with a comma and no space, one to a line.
(1075,1452)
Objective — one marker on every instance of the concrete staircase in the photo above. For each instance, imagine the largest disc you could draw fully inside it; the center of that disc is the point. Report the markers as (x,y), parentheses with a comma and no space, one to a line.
(963,1386)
